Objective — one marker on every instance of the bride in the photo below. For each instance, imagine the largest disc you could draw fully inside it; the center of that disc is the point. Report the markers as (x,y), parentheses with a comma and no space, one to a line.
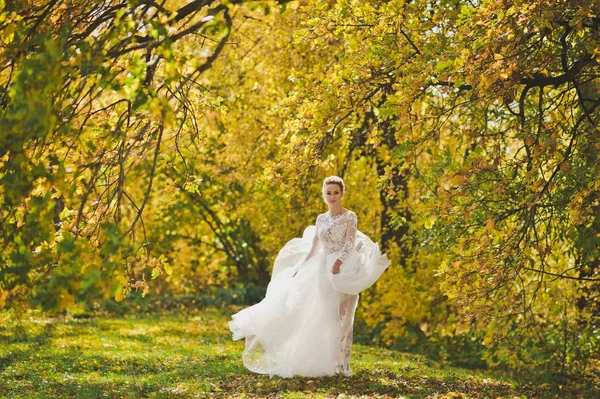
(303,326)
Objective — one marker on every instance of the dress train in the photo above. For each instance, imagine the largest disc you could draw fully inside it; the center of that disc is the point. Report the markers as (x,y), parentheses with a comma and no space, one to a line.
(303,326)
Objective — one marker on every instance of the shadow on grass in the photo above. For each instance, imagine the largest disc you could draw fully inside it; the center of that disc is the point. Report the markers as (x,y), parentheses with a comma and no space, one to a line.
(173,355)
(363,383)
(19,335)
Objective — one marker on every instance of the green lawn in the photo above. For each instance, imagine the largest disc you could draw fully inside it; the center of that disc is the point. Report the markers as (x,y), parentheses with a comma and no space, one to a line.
(190,354)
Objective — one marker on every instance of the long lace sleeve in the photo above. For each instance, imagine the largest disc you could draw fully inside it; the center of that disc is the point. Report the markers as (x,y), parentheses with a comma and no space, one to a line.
(350,237)
(315,243)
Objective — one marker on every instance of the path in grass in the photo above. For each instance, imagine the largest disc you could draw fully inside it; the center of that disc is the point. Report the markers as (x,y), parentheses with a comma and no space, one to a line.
(177,354)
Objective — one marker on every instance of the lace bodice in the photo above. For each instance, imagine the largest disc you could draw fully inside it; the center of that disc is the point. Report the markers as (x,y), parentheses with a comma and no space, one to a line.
(335,233)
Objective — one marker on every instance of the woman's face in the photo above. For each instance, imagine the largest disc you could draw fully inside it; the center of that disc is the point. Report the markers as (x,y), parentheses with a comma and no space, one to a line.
(333,194)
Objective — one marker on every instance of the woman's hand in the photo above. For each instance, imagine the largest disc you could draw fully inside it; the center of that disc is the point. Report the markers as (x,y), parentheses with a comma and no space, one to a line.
(336,267)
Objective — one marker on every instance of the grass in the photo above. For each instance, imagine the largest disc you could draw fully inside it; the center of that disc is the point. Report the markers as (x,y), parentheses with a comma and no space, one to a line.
(189,354)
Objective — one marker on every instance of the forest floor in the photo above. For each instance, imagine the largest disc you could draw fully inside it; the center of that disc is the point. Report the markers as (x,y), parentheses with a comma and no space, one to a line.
(190,354)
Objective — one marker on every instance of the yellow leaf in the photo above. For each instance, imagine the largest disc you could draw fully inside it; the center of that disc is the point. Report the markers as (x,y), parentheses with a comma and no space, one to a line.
(120,295)
(490,225)
(429,222)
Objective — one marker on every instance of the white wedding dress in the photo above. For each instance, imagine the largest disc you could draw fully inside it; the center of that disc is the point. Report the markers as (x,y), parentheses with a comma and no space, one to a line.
(303,326)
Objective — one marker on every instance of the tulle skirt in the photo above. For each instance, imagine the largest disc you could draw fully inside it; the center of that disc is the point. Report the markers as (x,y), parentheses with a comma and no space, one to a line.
(303,326)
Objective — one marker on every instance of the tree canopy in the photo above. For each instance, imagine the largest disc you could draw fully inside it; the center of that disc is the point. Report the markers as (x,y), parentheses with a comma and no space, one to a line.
(175,146)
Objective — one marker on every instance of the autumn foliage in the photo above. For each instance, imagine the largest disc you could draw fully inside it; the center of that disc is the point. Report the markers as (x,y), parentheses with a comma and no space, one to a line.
(173,147)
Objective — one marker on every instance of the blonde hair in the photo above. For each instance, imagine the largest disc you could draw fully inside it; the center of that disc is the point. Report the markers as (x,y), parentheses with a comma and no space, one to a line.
(332,180)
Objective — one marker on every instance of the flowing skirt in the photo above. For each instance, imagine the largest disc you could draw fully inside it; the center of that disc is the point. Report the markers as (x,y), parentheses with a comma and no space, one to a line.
(303,326)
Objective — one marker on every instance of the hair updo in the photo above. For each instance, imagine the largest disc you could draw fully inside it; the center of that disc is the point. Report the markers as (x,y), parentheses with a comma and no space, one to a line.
(332,180)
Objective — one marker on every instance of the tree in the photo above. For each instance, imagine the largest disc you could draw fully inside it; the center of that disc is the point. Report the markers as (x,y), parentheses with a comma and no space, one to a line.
(93,95)
(491,110)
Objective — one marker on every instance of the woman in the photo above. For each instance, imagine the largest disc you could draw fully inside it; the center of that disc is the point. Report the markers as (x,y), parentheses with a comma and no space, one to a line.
(304,324)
